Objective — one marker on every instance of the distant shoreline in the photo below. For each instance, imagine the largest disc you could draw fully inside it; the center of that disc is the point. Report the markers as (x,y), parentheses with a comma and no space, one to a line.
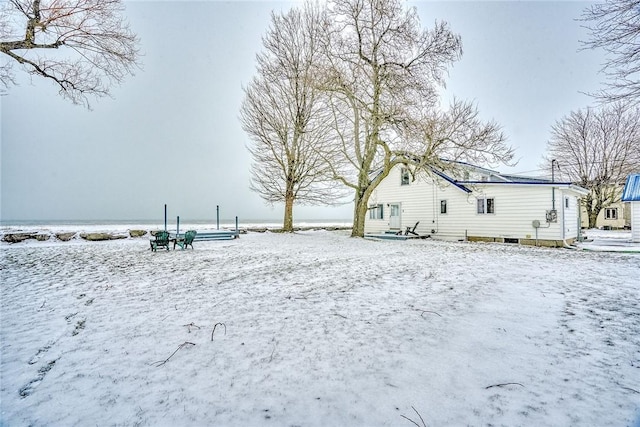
(148,222)
(92,231)
(171,225)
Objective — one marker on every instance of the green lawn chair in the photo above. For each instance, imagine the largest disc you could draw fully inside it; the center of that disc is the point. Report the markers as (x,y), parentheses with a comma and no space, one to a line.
(186,240)
(161,239)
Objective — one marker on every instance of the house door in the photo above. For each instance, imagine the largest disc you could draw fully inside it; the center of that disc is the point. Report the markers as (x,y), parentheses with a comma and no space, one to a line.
(570,219)
(394,216)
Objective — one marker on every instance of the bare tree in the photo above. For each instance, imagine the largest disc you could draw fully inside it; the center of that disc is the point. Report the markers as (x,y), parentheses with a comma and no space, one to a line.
(597,149)
(381,74)
(458,134)
(84,46)
(282,115)
(615,27)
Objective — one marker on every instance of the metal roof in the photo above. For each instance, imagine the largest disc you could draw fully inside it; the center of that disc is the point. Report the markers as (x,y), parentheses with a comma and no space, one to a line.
(520,178)
(450,180)
(631,191)
(565,185)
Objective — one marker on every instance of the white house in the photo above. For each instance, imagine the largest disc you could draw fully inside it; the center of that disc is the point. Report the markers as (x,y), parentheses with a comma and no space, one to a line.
(478,205)
(616,215)
(631,194)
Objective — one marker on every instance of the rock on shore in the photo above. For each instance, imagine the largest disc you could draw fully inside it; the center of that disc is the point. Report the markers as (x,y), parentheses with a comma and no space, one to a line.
(42,236)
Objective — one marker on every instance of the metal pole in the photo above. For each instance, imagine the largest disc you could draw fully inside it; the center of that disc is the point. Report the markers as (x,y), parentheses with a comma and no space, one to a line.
(237,233)
(217,217)
(579,220)
(177,225)
(553,189)
(165,217)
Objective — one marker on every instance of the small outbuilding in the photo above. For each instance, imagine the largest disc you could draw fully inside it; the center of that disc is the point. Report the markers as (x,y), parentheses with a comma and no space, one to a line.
(631,194)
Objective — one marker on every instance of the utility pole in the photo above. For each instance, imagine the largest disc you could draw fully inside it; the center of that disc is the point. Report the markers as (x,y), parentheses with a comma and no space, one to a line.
(553,179)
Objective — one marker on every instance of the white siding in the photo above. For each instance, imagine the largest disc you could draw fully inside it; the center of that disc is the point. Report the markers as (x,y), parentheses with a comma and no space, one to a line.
(635,221)
(516,207)
(412,198)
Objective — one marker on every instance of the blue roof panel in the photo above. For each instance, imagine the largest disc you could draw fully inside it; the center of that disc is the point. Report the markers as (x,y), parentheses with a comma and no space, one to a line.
(631,191)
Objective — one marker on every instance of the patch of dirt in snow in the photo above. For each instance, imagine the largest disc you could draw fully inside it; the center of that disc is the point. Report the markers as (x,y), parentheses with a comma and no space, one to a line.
(316,328)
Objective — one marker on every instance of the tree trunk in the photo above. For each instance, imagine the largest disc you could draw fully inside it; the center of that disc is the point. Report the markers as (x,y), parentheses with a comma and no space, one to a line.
(593,208)
(593,217)
(361,204)
(359,214)
(287,224)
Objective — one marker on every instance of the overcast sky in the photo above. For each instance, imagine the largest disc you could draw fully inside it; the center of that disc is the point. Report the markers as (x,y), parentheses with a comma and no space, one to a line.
(171,133)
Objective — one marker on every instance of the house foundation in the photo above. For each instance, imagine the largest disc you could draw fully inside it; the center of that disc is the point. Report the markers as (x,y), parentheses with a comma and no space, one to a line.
(529,242)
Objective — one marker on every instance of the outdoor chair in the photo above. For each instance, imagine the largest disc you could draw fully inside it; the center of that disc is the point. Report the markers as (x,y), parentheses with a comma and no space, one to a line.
(185,241)
(410,230)
(161,240)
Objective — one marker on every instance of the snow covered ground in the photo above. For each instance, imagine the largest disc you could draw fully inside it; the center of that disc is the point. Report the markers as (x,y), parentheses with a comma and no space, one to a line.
(609,241)
(317,329)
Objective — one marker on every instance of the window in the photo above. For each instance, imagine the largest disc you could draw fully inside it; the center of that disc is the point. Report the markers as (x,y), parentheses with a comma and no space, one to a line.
(443,206)
(611,213)
(486,206)
(404,176)
(376,211)
(566,203)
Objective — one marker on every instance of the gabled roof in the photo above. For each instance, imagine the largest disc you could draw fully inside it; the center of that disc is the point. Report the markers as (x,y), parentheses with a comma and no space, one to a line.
(631,191)
(496,178)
